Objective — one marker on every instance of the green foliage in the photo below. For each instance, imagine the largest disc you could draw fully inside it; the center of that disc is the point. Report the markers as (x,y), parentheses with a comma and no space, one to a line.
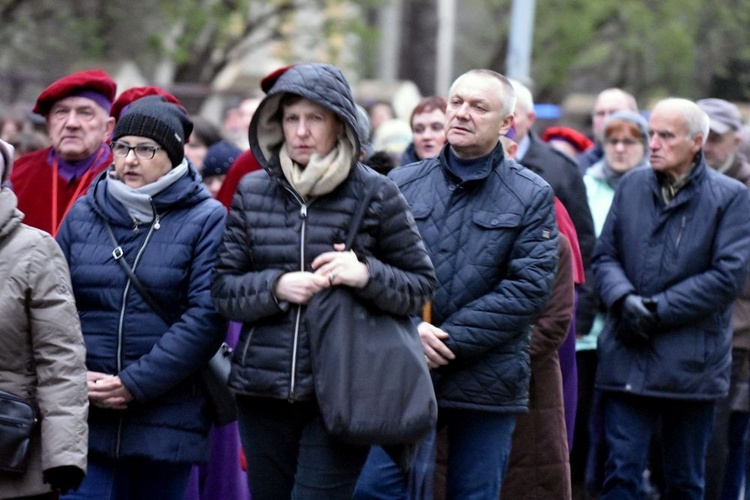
(651,47)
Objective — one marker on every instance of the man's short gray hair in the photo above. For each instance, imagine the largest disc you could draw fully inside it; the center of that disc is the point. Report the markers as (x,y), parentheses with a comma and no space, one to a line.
(697,121)
(508,97)
(524,99)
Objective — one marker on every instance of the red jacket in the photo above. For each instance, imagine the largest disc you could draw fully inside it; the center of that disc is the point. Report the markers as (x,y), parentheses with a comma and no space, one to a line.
(32,180)
(245,163)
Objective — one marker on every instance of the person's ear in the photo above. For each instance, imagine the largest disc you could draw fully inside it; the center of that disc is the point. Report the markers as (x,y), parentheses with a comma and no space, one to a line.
(736,143)
(511,148)
(109,128)
(506,124)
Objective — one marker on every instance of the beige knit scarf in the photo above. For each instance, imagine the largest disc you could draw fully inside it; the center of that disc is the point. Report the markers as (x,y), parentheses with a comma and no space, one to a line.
(322,173)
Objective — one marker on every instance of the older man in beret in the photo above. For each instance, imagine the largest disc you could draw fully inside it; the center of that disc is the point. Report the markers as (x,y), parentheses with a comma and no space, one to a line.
(48,181)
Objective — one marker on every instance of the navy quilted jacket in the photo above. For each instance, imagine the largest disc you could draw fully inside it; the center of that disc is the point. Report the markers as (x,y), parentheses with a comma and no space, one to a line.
(271,231)
(493,242)
(157,362)
(692,257)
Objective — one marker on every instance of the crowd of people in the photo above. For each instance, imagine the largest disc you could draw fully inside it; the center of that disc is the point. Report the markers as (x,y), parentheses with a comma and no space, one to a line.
(581,298)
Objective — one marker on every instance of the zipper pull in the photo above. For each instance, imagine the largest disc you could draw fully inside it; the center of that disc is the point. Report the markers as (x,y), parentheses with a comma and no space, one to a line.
(303,211)
(157,224)
(136,226)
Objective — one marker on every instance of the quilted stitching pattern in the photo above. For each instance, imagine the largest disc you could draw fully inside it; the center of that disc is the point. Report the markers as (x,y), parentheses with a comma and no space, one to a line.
(263,240)
(493,243)
(157,362)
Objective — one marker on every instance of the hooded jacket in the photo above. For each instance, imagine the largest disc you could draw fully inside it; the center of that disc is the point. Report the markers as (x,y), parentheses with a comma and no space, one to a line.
(271,231)
(41,349)
(158,362)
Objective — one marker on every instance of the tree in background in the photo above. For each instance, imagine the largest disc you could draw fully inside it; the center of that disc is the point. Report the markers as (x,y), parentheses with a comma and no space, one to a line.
(691,48)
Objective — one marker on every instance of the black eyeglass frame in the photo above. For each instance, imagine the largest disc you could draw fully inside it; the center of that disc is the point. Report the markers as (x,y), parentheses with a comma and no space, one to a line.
(141,151)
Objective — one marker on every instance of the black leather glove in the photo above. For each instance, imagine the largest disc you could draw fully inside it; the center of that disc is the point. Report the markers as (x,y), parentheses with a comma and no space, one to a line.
(64,478)
(638,320)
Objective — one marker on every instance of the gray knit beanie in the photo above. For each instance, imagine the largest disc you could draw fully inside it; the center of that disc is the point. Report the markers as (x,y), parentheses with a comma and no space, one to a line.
(154,117)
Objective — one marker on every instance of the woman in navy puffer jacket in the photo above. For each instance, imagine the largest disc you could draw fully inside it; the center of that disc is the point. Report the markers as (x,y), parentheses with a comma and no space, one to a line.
(149,419)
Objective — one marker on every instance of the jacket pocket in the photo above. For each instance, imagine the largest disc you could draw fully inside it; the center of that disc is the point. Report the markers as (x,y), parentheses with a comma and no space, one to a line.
(421,211)
(492,238)
(494,220)
(240,355)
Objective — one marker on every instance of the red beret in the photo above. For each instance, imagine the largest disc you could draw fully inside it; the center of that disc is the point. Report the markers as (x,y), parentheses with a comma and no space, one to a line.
(93,80)
(267,82)
(571,136)
(135,93)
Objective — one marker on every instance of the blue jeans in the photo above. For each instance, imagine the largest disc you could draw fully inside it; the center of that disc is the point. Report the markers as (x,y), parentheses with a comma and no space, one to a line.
(381,478)
(290,454)
(630,421)
(479,446)
(126,478)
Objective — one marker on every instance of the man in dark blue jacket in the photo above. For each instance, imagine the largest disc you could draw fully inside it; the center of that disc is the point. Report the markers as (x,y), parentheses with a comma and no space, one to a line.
(489,227)
(671,258)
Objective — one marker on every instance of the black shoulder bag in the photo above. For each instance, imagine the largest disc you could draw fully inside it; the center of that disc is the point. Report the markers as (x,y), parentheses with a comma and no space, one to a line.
(17,421)
(216,373)
(372,382)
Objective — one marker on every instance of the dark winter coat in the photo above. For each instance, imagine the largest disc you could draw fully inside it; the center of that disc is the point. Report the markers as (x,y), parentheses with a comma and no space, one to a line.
(271,231)
(538,465)
(691,256)
(158,362)
(493,242)
(740,170)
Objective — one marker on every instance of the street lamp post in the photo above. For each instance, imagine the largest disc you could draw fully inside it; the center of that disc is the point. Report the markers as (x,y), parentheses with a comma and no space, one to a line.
(520,40)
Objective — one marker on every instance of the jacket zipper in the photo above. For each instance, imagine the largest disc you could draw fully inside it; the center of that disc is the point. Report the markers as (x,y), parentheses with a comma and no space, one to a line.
(297,321)
(295,344)
(679,235)
(155,225)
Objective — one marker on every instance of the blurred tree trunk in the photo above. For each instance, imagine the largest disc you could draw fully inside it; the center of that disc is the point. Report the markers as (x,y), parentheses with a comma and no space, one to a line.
(419,48)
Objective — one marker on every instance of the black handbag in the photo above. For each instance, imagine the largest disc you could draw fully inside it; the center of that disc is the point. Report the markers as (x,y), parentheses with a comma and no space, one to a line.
(215,375)
(17,421)
(372,381)
(215,378)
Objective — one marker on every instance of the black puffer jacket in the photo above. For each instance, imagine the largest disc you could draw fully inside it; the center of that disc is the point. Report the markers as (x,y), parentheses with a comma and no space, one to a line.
(493,241)
(271,231)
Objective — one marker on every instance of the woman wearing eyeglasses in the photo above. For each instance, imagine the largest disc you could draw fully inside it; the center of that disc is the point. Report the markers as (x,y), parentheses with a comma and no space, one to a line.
(147,337)
(625,148)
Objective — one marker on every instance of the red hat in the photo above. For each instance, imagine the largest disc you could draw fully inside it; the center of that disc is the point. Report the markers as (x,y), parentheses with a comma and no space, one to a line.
(571,136)
(135,93)
(94,81)
(267,82)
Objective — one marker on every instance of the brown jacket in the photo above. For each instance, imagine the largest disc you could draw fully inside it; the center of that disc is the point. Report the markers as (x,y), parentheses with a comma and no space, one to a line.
(42,355)
(538,466)
(740,170)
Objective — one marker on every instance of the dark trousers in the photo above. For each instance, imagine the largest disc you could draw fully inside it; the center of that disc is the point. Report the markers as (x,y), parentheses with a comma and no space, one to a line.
(290,454)
(479,447)
(131,478)
(579,455)
(629,423)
